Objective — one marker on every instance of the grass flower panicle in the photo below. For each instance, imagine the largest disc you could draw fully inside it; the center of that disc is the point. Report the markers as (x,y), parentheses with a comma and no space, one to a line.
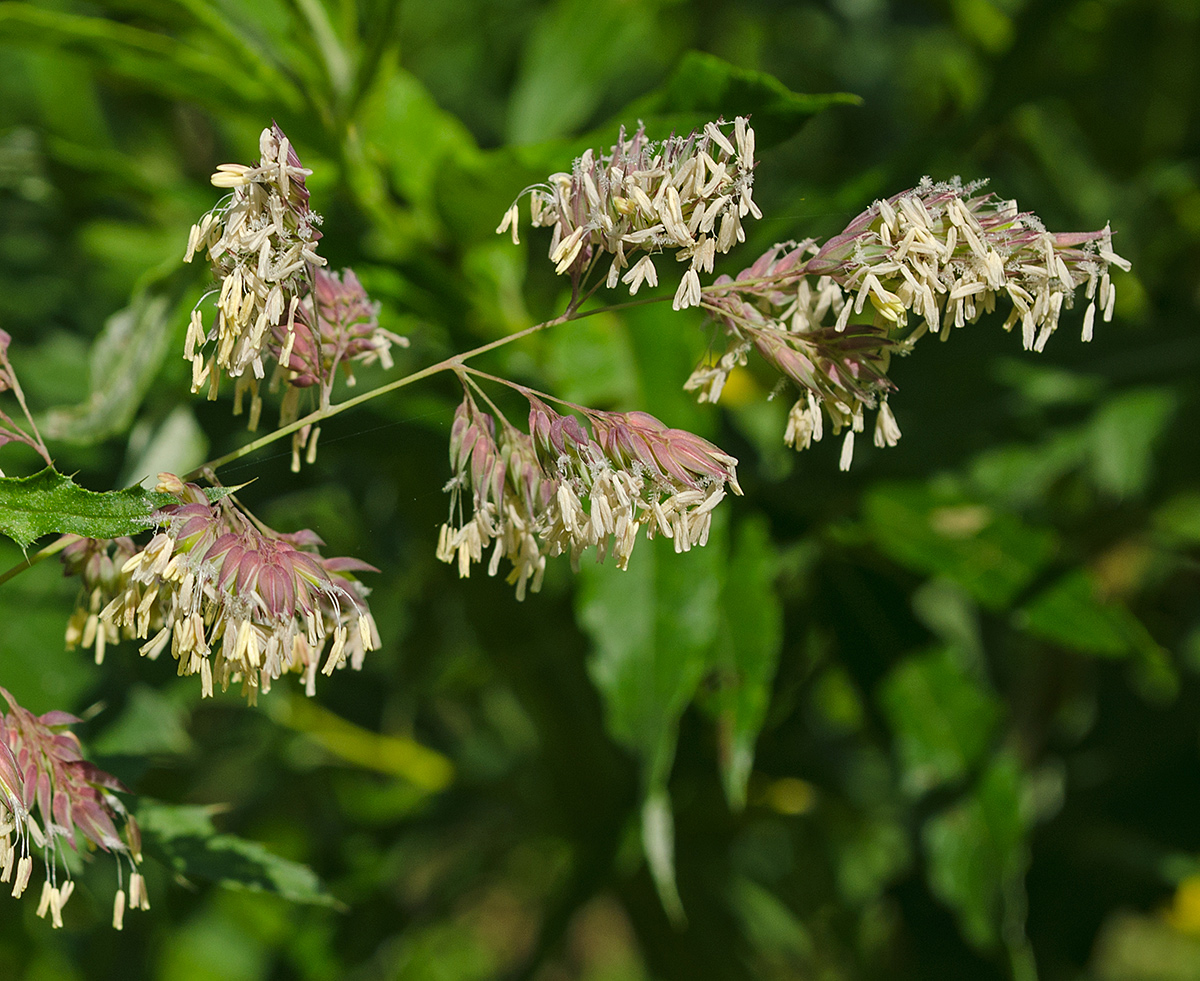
(829,317)
(51,795)
(236,601)
(945,255)
(336,326)
(564,489)
(261,242)
(687,194)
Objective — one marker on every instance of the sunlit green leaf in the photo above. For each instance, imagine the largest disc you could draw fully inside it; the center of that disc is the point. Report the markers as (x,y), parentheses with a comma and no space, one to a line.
(406,139)
(562,82)
(49,503)
(653,629)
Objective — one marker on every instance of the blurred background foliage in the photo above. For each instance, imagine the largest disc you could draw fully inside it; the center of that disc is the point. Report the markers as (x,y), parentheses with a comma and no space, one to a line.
(934,718)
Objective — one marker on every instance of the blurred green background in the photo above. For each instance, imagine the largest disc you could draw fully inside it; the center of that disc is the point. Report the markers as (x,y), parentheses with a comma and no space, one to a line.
(936,718)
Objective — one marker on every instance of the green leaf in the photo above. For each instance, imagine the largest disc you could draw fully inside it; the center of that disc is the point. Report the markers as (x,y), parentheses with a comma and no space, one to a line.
(33,610)
(977,854)
(1178,520)
(993,556)
(399,756)
(184,839)
(747,653)
(123,362)
(1124,434)
(943,718)
(48,503)
(704,87)
(653,628)
(1073,613)
(579,51)
(402,147)
(593,362)
(161,63)
(1023,475)
(873,851)
(152,723)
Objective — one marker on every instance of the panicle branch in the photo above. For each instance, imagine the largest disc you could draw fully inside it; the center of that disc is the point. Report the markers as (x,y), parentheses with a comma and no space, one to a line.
(236,601)
(10,431)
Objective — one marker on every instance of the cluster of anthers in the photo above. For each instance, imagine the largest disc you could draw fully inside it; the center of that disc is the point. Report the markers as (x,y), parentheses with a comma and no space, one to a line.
(561,488)
(262,243)
(941,255)
(236,601)
(49,794)
(685,194)
(276,302)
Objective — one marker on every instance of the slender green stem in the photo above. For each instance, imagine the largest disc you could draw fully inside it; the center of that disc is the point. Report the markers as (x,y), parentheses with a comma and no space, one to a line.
(451,363)
(29,561)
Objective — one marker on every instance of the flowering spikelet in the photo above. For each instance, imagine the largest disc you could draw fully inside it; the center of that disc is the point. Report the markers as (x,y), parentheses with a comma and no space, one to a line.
(261,242)
(926,260)
(336,325)
(49,794)
(945,254)
(563,489)
(688,194)
(236,601)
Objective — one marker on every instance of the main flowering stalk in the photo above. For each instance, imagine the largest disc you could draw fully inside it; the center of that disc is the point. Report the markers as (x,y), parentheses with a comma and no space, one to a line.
(236,601)
(561,488)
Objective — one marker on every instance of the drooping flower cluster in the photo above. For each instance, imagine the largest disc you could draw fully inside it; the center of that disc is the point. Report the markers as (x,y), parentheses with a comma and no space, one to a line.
(49,794)
(236,601)
(685,194)
(262,242)
(940,256)
(561,488)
